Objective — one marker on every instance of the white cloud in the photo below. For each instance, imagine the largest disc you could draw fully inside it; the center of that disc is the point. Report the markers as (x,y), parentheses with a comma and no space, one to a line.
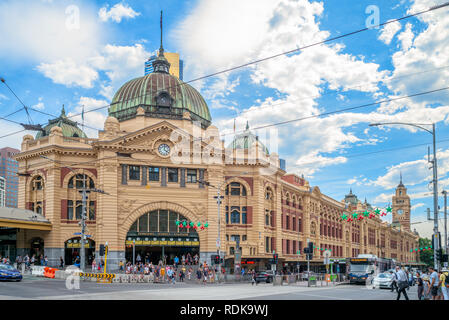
(93,119)
(117,13)
(40,105)
(3,97)
(389,31)
(418,205)
(406,37)
(69,73)
(46,32)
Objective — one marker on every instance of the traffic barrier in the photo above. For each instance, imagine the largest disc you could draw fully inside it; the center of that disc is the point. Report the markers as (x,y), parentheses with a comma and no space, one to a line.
(125,278)
(133,279)
(117,278)
(49,272)
(140,279)
(37,271)
(146,279)
(277,280)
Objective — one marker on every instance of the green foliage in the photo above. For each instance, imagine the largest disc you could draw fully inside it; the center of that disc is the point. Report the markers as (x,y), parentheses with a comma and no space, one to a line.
(427,255)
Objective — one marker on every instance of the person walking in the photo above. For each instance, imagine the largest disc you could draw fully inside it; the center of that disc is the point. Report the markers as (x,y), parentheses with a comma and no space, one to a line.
(253,278)
(434,281)
(426,287)
(61,263)
(402,283)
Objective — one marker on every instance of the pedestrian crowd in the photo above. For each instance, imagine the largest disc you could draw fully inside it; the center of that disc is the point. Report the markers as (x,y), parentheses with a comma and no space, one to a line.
(432,284)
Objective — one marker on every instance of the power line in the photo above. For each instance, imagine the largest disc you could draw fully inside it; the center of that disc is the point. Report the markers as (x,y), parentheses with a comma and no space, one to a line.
(279,54)
(12,133)
(30,121)
(339,91)
(343,110)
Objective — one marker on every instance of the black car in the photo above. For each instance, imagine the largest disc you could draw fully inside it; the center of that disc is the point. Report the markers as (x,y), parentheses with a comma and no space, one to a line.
(265,276)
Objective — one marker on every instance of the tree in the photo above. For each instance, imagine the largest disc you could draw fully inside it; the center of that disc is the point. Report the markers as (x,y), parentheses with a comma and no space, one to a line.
(426,256)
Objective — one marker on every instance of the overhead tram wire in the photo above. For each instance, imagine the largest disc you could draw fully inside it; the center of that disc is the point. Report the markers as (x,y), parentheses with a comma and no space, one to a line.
(339,91)
(279,54)
(30,121)
(340,110)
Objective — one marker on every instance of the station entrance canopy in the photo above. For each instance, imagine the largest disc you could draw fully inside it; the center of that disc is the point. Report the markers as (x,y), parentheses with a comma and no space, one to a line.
(23,219)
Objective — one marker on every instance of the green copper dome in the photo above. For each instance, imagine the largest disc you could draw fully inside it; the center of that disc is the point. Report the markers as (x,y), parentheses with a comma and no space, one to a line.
(161,95)
(69,128)
(246,140)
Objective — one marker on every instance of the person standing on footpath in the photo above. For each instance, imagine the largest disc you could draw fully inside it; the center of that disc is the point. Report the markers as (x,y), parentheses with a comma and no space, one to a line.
(442,283)
(434,280)
(420,286)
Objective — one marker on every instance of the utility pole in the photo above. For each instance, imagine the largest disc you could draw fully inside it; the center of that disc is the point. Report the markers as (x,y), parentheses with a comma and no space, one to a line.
(434,181)
(435,200)
(445,220)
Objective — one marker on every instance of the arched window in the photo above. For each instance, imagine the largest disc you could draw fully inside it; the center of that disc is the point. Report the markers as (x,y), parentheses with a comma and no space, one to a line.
(236,189)
(37,183)
(235,215)
(77,181)
(162,221)
(268,194)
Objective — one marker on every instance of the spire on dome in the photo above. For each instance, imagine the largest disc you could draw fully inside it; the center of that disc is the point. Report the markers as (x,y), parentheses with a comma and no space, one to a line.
(62,111)
(247,125)
(161,64)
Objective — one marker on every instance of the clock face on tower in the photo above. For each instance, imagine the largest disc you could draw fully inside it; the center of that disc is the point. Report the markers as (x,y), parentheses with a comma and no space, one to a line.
(164,149)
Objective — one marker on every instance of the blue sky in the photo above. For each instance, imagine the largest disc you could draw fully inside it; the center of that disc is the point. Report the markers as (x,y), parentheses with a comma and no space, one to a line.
(80,52)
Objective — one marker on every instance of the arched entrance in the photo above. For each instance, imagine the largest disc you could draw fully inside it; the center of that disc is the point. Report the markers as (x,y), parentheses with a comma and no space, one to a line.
(72,249)
(156,234)
(37,248)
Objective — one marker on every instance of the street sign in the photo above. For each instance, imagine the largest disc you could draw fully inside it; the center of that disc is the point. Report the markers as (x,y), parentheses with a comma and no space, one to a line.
(327,255)
(218,243)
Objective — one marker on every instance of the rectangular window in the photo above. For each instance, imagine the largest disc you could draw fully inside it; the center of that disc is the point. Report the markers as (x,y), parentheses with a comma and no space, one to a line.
(163,221)
(244,237)
(244,219)
(154,221)
(227,215)
(91,210)
(287,223)
(172,174)
(231,250)
(191,175)
(153,173)
(235,237)
(172,227)
(235,215)
(267,244)
(70,210)
(134,173)
(79,209)
(143,223)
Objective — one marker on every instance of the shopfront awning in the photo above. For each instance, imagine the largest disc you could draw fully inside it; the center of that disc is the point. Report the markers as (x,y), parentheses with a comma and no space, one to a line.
(23,219)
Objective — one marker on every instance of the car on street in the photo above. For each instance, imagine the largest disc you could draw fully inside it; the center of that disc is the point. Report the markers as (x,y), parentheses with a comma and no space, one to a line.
(265,276)
(383,280)
(8,272)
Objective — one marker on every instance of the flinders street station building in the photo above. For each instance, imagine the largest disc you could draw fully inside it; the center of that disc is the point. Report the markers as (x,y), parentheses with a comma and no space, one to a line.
(160,165)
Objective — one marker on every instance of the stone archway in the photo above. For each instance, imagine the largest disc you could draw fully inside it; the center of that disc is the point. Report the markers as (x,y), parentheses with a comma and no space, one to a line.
(164,205)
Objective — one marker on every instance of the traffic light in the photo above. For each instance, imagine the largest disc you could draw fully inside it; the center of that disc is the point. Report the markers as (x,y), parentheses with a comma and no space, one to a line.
(101,250)
(440,255)
(275,258)
(216,258)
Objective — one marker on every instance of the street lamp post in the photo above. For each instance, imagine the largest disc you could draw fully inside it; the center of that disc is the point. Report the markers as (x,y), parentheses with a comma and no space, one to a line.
(435,179)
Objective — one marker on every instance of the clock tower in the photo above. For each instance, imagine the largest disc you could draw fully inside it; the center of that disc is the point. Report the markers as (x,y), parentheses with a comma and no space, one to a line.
(401,207)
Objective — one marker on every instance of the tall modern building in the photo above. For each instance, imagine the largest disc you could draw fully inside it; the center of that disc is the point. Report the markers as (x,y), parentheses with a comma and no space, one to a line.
(8,170)
(2,191)
(176,65)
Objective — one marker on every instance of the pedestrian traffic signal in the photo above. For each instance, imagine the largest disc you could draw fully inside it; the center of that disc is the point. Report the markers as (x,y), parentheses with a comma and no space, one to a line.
(215,258)
(101,250)
(275,258)
(440,255)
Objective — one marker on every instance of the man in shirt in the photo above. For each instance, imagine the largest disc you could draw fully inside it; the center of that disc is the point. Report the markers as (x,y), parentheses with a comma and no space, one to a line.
(444,282)
(434,281)
(402,279)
